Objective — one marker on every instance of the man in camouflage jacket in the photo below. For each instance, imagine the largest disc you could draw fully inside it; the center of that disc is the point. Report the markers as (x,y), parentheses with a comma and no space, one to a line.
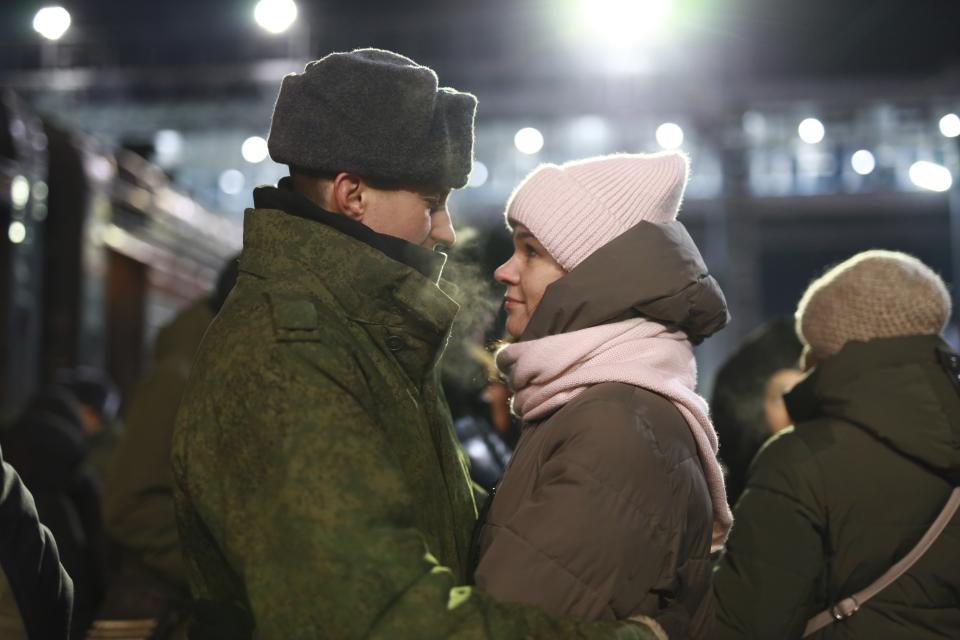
(320,491)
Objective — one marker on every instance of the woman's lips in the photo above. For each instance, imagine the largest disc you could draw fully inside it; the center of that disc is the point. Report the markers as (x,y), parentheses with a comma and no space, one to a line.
(511,303)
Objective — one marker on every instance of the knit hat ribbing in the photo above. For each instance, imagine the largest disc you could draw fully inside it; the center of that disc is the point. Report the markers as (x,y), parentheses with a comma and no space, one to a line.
(874,294)
(375,113)
(575,208)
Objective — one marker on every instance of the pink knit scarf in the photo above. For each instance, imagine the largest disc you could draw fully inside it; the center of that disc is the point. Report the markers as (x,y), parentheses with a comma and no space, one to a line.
(547,373)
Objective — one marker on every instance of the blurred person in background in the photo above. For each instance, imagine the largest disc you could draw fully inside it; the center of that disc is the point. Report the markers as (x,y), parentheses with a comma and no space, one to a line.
(481,417)
(775,414)
(36,593)
(747,401)
(48,445)
(319,488)
(614,496)
(99,400)
(151,584)
(834,502)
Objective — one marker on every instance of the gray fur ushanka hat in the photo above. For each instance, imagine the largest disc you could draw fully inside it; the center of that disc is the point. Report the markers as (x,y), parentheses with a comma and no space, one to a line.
(377,114)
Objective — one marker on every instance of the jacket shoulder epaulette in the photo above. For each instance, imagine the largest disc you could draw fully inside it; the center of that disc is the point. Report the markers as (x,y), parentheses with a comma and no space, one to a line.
(296,317)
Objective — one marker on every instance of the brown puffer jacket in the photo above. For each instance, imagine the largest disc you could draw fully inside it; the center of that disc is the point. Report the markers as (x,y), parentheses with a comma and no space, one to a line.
(604,511)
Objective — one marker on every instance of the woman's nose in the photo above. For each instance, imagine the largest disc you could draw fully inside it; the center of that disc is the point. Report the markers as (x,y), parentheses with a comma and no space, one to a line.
(505,273)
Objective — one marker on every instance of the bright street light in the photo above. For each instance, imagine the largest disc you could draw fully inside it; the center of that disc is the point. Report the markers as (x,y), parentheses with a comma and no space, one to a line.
(51,22)
(275,16)
(669,135)
(168,145)
(479,174)
(929,175)
(17,232)
(231,182)
(528,140)
(254,150)
(624,23)
(811,131)
(950,125)
(863,162)
(19,192)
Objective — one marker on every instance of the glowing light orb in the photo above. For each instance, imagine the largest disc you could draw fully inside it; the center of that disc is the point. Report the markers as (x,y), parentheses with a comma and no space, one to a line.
(528,140)
(275,16)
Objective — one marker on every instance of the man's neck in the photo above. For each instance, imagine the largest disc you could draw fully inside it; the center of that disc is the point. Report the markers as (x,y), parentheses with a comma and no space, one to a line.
(288,199)
(316,190)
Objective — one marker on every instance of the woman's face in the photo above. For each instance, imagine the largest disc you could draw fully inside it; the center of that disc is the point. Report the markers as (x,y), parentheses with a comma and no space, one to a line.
(526,275)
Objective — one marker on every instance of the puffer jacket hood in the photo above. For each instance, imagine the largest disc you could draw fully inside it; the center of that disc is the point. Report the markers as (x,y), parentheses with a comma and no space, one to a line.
(653,270)
(896,389)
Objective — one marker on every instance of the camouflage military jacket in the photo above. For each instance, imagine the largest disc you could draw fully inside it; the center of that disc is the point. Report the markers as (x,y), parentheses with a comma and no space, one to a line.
(320,491)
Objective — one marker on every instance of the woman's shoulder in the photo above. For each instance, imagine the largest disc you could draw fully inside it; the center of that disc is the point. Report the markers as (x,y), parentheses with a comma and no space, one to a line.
(625,396)
(623,418)
(641,407)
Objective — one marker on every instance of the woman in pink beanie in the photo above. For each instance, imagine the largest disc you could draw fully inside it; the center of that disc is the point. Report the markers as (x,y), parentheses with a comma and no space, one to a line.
(614,498)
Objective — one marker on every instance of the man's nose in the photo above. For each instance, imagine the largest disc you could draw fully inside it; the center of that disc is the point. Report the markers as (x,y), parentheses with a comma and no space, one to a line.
(441,231)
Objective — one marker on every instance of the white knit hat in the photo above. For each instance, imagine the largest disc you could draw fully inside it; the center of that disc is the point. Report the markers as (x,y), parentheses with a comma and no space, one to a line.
(874,294)
(575,208)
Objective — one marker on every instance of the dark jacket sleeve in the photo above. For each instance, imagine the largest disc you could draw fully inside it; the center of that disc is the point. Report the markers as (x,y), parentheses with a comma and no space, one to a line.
(766,580)
(28,556)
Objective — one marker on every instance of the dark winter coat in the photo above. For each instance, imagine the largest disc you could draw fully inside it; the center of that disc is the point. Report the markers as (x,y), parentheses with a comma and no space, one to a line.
(30,569)
(604,511)
(834,502)
(319,487)
(47,447)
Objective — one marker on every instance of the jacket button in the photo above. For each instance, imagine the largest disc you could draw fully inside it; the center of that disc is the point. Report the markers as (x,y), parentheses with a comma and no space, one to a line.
(394,343)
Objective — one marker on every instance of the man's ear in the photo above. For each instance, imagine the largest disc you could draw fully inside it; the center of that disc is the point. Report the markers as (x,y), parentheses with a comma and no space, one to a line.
(347,193)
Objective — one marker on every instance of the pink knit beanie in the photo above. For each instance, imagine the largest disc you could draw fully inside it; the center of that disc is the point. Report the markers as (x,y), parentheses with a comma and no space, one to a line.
(575,208)
(874,294)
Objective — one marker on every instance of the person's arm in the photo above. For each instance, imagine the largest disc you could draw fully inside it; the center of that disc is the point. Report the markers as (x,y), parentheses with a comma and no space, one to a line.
(29,560)
(321,525)
(765,581)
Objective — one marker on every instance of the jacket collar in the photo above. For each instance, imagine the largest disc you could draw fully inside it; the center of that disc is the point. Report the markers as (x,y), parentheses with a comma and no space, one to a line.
(284,198)
(652,270)
(393,302)
(896,389)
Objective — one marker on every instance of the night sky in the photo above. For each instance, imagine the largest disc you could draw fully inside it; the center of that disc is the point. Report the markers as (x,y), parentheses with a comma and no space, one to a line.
(754,38)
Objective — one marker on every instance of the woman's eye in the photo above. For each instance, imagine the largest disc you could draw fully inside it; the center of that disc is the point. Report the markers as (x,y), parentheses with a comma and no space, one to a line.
(530,251)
